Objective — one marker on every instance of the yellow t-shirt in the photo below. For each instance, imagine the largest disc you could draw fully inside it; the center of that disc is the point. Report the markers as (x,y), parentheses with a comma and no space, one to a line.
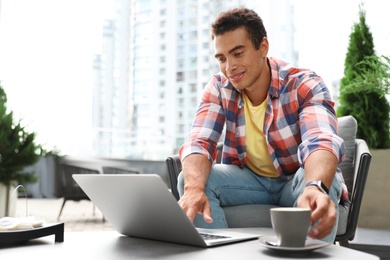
(258,158)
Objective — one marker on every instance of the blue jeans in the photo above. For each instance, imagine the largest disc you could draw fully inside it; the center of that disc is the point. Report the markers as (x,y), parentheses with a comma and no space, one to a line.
(230,185)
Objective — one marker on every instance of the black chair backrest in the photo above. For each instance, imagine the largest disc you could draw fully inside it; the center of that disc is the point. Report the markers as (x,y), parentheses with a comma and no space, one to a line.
(174,168)
(70,188)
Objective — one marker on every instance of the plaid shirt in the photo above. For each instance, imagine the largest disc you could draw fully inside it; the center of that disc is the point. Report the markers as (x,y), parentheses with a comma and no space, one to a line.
(299,120)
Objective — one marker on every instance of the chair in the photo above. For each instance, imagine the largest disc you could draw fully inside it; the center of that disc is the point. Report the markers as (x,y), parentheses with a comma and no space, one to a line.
(119,170)
(355,170)
(70,189)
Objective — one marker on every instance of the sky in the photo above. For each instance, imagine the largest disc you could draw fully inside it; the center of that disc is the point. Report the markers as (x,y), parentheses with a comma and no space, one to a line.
(46,50)
(47,46)
(323,29)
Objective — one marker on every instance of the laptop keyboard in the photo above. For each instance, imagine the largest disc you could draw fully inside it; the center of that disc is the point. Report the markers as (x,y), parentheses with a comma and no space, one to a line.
(212,237)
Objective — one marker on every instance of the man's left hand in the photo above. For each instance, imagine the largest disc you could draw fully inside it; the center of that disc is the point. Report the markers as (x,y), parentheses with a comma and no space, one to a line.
(323,211)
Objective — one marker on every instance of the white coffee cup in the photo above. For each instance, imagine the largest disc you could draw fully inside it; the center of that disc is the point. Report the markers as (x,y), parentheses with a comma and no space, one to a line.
(291,225)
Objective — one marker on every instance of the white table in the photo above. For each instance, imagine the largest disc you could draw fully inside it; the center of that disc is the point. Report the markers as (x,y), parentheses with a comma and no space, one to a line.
(113,246)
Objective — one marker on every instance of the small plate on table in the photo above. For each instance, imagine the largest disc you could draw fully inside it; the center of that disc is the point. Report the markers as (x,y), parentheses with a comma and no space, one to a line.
(271,242)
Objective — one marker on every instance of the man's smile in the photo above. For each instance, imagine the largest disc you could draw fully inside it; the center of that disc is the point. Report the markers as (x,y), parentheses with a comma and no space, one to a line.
(236,77)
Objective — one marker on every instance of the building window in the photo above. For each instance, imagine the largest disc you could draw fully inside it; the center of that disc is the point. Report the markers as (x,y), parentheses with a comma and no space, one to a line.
(180,51)
(192,49)
(180,129)
(193,62)
(180,63)
(193,88)
(162,83)
(193,75)
(180,38)
(194,101)
(180,76)
(181,102)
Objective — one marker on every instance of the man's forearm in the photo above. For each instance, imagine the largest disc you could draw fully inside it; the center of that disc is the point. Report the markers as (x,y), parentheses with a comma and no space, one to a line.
(196,169)
(321,165)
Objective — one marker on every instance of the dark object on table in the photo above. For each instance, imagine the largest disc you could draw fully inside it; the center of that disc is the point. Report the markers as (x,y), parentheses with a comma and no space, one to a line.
(12,237)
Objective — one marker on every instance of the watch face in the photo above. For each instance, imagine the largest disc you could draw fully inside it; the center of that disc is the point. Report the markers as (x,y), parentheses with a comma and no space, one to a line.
(323,187)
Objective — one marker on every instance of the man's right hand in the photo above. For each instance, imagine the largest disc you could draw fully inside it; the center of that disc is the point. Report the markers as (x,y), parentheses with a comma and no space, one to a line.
(196,169)
(196,201)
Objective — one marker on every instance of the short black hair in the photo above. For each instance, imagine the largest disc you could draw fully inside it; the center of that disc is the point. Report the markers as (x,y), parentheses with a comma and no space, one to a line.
(240,17)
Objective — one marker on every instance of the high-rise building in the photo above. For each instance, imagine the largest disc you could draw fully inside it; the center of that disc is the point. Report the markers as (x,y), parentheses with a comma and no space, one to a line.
(170,58)
(111,91)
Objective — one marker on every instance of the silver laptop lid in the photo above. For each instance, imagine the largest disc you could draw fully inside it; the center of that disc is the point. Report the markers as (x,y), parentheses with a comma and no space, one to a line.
(140,205)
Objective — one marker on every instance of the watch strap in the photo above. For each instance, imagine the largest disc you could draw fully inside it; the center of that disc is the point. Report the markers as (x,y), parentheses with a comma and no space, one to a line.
(319,185)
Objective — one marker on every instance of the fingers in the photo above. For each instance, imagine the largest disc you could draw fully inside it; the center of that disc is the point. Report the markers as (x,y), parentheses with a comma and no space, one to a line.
(207,213)
(192,206)
(324,214)
(324,217)
(191,213)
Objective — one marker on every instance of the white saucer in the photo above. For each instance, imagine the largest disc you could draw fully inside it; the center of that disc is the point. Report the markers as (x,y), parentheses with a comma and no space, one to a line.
(311,244)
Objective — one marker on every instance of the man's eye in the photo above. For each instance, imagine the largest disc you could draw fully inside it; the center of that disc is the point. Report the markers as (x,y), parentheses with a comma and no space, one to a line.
(238,54)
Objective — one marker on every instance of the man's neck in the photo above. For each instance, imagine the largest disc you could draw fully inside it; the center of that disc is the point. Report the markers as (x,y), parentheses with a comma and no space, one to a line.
(259,93)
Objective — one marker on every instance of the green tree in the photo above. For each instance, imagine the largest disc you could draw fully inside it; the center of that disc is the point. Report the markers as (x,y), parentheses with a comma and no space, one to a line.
(17,149)
(361,45)
(362,94)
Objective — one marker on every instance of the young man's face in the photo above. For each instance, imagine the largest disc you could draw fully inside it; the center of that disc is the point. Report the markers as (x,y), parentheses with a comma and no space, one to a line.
(238,59)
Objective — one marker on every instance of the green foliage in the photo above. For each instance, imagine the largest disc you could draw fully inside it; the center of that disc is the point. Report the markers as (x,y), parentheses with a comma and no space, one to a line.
(365,98)
(374,78)
(364,87)
(361,45)
(17,147)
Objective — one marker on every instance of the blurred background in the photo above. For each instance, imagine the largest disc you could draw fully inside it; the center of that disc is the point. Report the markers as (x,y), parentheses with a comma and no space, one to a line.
(122,78)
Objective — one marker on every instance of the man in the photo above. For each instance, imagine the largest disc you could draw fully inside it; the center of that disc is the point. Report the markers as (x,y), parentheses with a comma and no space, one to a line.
(280,134)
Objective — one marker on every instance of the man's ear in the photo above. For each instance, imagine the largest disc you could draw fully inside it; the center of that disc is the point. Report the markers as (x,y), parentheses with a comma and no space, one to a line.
(264,47)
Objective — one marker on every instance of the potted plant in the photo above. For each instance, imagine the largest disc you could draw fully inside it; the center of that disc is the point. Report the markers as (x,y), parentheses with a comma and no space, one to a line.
(17,151)
(364,86)
(363,92)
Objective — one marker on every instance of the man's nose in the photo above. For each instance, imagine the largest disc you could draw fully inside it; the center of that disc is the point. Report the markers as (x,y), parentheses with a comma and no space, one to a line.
(230,65)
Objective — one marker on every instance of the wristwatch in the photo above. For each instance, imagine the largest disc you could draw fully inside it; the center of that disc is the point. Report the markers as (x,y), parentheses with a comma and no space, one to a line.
(319,185)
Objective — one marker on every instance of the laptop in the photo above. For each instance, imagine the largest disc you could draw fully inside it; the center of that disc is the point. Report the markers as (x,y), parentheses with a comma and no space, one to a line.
(141,205)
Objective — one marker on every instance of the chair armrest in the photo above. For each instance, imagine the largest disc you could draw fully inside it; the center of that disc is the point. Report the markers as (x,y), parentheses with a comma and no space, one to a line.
(362,165)
(174,168)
